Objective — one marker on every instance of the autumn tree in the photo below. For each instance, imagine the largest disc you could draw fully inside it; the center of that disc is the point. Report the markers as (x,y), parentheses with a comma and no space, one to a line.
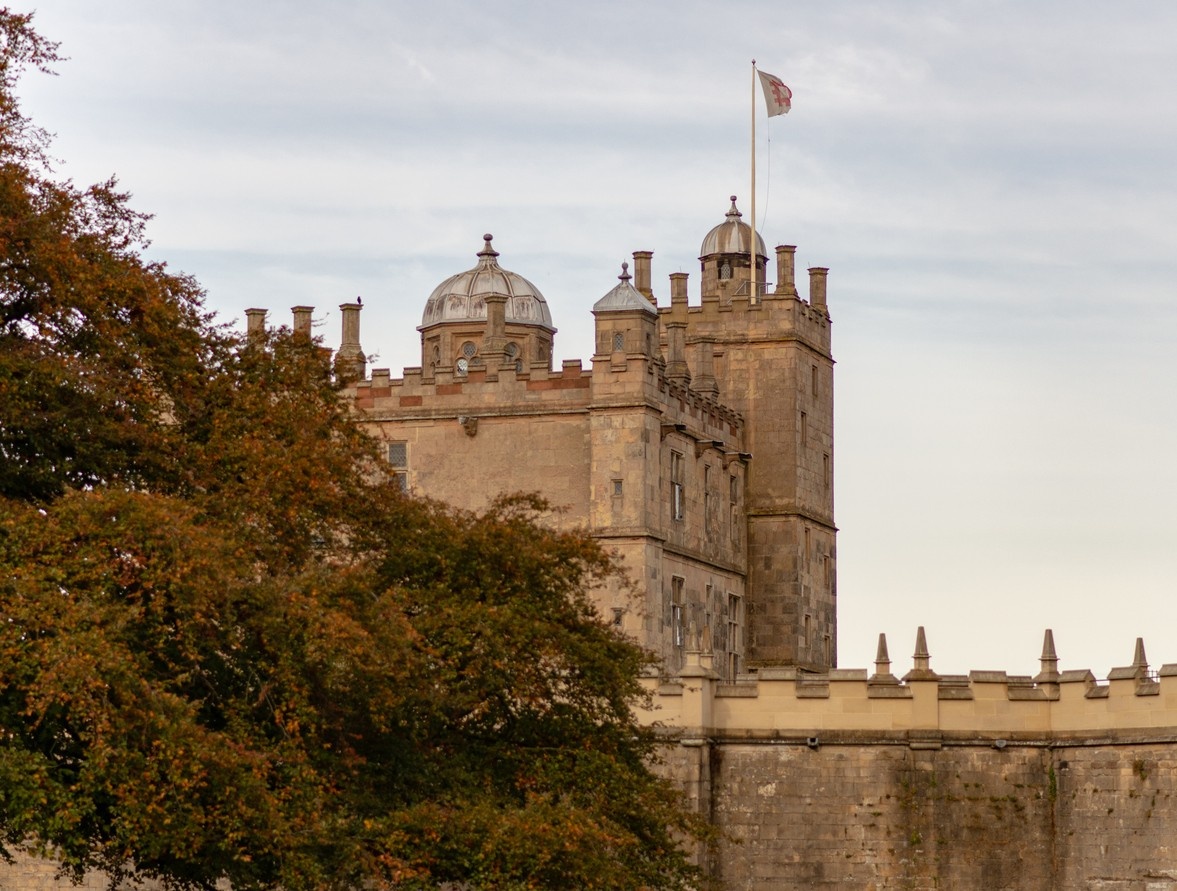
(231,648)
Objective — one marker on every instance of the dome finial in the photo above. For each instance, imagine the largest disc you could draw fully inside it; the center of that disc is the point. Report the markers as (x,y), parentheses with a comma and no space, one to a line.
(625,276)
(733,211)
(488,252)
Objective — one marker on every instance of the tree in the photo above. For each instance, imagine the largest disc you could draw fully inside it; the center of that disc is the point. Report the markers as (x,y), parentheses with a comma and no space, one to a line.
(231,648)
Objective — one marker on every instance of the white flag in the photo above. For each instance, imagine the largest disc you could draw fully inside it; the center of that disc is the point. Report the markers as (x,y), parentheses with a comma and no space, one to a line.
(777,96)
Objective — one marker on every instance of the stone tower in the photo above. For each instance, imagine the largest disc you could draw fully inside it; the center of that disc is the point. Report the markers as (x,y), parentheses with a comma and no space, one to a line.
(767,355)
(698,447)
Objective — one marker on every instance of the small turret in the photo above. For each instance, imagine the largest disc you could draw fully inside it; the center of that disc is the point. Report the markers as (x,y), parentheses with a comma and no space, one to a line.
(626,321)
(725,258)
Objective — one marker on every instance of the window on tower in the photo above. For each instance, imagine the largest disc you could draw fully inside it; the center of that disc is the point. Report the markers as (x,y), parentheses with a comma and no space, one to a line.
(677,503)
(676,608)
(398,460)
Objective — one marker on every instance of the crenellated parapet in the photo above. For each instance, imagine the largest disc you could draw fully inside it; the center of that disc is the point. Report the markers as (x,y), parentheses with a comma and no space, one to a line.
(729,316)
(921,707)
(507,390)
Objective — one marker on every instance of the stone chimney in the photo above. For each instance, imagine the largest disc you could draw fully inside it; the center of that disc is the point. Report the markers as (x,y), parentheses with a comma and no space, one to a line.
(302,320)
(678,288)
(350,362)
(817,287)
(255,323)
(705,381)
(786,279)
(494,344)
(641,274)
(676,364)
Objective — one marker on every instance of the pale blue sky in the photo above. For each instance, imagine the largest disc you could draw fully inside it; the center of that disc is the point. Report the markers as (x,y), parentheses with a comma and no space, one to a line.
(992,184)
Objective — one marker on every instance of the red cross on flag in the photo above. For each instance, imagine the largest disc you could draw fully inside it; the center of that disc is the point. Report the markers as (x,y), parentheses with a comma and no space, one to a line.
(777,96)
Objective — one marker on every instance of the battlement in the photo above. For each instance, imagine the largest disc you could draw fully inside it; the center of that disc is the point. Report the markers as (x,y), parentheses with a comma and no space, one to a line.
(922,705)
(538,386)
(732,312)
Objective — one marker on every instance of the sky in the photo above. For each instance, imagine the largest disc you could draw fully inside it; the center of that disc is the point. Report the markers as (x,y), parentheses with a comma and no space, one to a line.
(993,185)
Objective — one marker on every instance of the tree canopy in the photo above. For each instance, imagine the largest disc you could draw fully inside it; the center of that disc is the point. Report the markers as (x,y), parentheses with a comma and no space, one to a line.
(231,648)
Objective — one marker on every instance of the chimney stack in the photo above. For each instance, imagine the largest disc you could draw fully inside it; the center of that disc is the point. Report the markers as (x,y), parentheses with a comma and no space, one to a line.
(302,320)
(817,287)
(255,323)
(676,364)
(786,280)
(494,343)
(678,288)
(350,361)
(705,381)
(641,274)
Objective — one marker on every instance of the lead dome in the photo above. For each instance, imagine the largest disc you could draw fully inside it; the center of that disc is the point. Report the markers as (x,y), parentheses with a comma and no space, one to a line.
(462,297)
(732,236)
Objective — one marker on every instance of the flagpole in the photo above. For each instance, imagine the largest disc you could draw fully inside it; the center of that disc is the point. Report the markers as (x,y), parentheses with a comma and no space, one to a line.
(753,292)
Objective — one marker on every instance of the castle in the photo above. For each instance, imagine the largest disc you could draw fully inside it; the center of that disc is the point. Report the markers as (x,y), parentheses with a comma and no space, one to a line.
(699,447)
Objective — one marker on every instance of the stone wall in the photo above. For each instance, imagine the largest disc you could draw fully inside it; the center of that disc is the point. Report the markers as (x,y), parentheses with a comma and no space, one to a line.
(1096,815)
(984,782)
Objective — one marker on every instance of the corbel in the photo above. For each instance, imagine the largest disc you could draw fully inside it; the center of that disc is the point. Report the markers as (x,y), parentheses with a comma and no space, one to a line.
(667,429)
(702,445)
(730,457)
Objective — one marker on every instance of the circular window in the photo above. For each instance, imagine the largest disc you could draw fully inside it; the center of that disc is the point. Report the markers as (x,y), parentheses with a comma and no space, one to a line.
(469,349)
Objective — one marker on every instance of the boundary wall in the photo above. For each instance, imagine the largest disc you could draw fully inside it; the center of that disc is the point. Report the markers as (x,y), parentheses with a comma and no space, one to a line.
(987,781)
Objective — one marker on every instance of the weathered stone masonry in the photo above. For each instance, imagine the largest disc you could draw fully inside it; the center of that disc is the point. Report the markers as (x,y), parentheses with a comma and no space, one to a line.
(985,782)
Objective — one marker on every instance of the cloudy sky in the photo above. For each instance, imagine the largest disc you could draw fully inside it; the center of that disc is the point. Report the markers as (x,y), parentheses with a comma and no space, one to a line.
(992,184)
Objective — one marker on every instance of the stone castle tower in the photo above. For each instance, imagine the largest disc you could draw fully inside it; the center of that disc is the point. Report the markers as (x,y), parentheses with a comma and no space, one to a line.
(698,445)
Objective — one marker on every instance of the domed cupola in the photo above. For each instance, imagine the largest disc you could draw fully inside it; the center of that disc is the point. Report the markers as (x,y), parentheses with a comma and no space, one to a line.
(462,297)
(457,330)
(724,256)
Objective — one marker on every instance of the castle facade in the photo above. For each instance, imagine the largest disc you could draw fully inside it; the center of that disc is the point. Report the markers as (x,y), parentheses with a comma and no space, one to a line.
(698,445)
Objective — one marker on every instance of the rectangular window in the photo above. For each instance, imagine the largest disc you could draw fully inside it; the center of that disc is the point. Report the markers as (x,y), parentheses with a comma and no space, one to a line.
(677,503)
(735,643)
(825,564)
(618,616)
(825,470)
(807,543)
(618,341)
(676,607)
(813,379)
(708,505)
(617,488)
(398,459)
(733,497)
(804,428)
